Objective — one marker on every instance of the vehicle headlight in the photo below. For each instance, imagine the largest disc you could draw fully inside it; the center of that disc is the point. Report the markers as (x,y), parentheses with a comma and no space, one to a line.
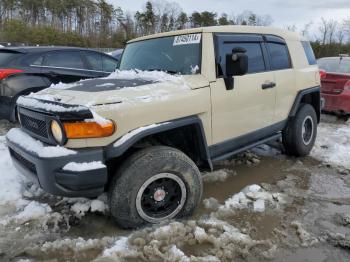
(57,131)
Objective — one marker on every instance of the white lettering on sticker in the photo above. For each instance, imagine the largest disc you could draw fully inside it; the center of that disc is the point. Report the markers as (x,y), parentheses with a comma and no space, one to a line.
(187,39)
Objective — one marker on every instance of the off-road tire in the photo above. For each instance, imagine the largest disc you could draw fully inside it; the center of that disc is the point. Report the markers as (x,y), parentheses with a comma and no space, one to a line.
(142,166)
(292,136)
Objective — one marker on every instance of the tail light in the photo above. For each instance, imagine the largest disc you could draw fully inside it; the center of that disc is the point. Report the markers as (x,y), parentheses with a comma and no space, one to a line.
(347,85)
(6,72)
(323,74)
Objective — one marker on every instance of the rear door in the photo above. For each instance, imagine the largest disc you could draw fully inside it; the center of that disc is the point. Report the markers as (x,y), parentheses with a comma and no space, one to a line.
(284,75)
(250,106)
(65,66)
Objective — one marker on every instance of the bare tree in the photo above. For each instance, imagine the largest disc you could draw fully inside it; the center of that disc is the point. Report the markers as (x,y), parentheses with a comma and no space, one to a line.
(306,29)
(292,28)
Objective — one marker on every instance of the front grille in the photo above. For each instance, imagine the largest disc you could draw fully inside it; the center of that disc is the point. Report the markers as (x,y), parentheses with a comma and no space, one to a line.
(34,125)
(29,165)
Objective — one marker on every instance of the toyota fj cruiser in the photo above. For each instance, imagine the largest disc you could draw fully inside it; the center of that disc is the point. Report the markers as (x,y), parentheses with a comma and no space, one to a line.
(179,102)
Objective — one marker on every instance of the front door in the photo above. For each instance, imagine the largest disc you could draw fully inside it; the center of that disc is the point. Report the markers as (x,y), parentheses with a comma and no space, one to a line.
(250,105)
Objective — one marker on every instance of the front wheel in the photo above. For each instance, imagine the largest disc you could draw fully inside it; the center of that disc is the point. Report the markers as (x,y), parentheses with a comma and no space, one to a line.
(153,185)
(300,134)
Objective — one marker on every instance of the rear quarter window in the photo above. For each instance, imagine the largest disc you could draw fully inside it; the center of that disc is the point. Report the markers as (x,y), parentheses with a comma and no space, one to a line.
(7,57)
(309,53)
(279,56)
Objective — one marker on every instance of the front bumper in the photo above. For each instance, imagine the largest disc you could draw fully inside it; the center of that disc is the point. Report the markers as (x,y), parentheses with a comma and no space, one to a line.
(337,103)
(49,174)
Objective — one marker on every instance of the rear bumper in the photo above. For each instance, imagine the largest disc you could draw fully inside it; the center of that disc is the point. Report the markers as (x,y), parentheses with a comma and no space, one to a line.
(337,103)
(49,173)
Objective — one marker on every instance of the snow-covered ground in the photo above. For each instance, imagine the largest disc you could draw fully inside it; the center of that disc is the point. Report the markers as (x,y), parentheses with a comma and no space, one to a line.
(333,143)
(217,233)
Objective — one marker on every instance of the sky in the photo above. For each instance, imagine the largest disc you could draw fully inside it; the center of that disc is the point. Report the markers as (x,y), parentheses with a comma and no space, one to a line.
(284,13)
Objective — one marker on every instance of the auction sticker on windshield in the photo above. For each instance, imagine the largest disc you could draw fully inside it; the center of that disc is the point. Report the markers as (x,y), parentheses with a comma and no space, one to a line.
(187,39)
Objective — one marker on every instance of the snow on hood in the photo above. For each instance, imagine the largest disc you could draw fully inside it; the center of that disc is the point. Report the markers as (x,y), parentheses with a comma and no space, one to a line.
(46,102)
(147,87)
(154,76)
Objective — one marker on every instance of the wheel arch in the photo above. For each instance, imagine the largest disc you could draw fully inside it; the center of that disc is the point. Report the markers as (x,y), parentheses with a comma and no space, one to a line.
(169,134)
(310,96)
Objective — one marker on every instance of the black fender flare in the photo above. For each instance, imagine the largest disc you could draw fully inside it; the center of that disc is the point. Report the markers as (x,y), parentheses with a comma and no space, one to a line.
(298,100)
(116,149)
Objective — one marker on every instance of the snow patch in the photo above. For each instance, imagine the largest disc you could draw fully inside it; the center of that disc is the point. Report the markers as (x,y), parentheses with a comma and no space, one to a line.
(33,211)
(25,141)
(120,246)
(105,84)
(86,166)
(332,144)
(28,101)
(252,197)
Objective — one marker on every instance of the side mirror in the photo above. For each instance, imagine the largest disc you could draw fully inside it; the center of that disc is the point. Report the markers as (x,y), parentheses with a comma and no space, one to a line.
(236,65)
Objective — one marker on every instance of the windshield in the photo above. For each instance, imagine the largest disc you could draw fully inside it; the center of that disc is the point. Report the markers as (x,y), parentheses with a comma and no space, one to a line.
(335,65)
(174,54)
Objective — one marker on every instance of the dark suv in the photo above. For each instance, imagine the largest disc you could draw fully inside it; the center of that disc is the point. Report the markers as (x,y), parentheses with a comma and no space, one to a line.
(29,69)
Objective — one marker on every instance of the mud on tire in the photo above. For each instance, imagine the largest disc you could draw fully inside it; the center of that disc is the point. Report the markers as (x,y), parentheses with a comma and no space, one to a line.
(300,134)
(155,174)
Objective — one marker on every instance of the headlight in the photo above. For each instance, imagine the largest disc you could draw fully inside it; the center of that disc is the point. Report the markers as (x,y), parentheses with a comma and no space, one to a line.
(56,131)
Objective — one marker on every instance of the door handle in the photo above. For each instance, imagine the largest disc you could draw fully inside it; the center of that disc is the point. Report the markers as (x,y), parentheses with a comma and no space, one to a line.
(268,85)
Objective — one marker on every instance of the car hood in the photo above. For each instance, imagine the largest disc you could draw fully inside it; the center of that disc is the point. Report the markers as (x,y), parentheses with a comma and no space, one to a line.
(107,91)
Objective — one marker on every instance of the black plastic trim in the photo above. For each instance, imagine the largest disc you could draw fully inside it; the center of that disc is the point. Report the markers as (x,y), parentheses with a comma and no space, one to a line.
(113,151)
(233,146)
(299,97)
(53,179)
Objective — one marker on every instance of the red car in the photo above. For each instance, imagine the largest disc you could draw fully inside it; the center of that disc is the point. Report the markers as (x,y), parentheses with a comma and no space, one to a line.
(335,84)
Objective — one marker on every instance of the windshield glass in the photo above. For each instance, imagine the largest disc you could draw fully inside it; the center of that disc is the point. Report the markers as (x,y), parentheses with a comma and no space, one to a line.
(174,54)
(335,65)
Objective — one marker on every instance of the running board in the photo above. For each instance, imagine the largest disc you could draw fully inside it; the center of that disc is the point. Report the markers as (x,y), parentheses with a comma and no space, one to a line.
(237,151)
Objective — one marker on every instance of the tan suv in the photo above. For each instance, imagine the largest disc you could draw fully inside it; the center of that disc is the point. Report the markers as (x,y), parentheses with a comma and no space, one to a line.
(142,135)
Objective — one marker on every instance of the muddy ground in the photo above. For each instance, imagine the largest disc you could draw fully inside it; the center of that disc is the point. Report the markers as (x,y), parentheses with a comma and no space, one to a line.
(259,206)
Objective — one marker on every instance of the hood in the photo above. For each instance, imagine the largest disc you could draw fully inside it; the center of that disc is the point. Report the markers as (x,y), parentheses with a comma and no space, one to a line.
(122,87)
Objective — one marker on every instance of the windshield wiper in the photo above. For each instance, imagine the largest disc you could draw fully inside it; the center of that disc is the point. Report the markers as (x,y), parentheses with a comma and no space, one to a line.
(162,70)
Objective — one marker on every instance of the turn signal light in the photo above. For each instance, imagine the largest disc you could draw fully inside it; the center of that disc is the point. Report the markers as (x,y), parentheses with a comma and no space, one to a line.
(88,129)
(6,72)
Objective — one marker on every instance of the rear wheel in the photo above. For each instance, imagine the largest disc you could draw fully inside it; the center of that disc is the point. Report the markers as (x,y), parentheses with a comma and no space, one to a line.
(301,131)
(154,185)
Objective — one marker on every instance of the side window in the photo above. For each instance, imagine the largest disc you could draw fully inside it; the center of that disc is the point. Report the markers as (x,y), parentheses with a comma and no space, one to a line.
(309,53)
(109,65)
(94,60)
(66,59)
(36,60)
(279,56)
(254,52)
